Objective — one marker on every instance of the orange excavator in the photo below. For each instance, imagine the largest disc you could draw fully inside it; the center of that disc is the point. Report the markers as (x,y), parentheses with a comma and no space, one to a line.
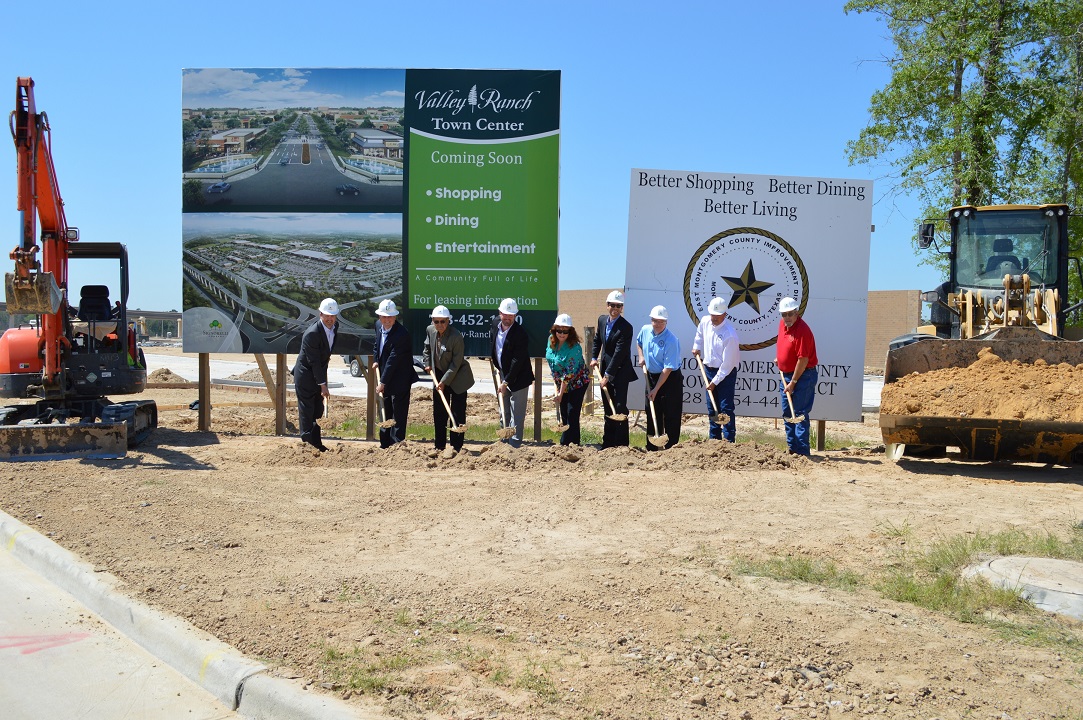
(64,362)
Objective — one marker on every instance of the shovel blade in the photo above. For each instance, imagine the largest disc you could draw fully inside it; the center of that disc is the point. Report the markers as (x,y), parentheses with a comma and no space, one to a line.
(458,429)
(505,433)
(658,440)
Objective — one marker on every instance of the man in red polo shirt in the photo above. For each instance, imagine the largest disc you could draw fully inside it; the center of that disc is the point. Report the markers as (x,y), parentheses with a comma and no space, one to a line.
(796,359)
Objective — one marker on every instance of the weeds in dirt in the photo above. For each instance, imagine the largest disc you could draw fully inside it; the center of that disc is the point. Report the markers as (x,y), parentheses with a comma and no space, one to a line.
(932,579)
(895,532)
(535,678)
(352,671)
(801,569)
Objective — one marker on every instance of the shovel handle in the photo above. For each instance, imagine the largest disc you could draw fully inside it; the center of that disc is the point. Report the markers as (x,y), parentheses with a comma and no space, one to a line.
(706,382)
(793,415)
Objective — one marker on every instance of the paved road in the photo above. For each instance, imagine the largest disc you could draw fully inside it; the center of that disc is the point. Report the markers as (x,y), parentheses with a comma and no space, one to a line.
(59,660)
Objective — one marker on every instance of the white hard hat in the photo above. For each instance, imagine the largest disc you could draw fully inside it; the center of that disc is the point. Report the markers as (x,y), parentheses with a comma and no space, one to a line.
(615,297)
(387,308)
(563,320)
(329,307)
(717,306)
(787,304)
(659,312)
(440,312)
(508,306)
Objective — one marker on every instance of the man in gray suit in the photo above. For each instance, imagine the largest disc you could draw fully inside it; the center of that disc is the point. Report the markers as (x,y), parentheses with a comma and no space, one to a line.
(310,372)
(444,359)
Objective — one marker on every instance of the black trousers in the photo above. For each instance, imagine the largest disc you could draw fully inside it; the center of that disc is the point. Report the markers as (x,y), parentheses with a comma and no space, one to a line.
(309,409)
(571,405)
(396,407)
(669,404)
(615,432)
(457,401)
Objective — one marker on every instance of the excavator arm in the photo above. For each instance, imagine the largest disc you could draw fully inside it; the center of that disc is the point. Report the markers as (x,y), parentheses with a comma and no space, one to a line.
(37,286)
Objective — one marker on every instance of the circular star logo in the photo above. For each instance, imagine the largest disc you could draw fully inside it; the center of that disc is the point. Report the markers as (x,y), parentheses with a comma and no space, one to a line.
(752,269)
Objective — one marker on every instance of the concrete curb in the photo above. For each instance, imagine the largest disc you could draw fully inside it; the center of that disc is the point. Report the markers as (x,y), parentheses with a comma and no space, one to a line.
(238,682)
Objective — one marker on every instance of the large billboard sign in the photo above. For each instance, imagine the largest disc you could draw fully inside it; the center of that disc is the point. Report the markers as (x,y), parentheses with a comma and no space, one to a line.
(296,186)
(482,200)
(753,240)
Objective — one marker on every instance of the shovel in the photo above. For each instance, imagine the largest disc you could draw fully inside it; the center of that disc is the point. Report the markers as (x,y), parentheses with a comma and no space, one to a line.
(723,418)
(791,419)
(384,422)
(618,417)
(450,417)
(658,440)
(504,432)
(561,425)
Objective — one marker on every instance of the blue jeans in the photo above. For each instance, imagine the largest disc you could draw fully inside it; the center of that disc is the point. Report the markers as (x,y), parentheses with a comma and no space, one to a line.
(797,434)
(723,395)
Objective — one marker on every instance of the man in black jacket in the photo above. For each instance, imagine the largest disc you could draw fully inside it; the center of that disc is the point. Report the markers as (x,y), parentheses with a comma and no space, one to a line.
(310,372)
(612,355)
(511,356)
(396,365)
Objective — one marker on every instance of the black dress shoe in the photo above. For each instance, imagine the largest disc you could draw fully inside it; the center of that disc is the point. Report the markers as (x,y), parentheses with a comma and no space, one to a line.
(321,447)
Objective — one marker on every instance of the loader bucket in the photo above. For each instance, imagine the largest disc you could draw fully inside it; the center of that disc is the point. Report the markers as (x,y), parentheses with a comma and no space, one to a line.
(63,442)
(980,438)
(985,438)
(36,295)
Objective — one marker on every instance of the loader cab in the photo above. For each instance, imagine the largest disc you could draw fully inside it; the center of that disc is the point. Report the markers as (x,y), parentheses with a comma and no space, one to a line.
(991,242)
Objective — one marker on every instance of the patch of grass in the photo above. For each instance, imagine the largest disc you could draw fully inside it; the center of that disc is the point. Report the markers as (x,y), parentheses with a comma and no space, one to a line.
(351,670)
(932,579)
(535,678)
(800,569)
(890,530)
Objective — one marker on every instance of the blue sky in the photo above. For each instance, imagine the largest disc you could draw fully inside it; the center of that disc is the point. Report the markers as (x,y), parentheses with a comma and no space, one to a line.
(760,88)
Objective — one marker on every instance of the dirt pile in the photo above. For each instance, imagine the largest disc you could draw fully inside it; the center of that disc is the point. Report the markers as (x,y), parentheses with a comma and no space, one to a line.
(253,375)
(165,375)
(991,388)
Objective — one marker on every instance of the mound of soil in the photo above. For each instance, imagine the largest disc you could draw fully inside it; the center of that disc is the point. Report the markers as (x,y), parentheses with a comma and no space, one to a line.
(165,375)
(991,388)
(253,375)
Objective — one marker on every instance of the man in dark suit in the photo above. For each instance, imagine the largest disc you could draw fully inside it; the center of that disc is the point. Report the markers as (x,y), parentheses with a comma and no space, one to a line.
(310,372)
(397,374)
(612,355)
(511,356)
(444,359)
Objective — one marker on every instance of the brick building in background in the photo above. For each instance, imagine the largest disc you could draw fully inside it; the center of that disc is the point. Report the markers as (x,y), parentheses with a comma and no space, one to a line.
(890,313)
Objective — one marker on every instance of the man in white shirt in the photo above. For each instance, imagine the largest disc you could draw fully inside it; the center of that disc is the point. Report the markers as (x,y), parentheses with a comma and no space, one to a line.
(717,347)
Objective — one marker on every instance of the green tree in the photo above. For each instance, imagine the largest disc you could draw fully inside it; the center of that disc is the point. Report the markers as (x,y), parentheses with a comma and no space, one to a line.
(192,194)
(983,104)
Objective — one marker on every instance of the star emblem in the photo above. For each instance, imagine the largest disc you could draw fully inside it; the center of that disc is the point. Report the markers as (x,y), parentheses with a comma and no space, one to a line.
(747,289)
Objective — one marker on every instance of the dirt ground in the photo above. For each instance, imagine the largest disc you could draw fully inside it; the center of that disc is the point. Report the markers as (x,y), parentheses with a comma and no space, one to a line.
(552,582)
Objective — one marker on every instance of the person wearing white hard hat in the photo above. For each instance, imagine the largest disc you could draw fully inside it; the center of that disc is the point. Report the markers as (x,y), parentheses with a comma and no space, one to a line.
(612,355)
(510,355)
(310,372)
(717,347)
(565,357)
(796,359)
(444,359)
(660,358)
(393,360)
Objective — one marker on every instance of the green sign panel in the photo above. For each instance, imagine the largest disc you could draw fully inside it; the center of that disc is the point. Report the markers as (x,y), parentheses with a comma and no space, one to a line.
(481,205)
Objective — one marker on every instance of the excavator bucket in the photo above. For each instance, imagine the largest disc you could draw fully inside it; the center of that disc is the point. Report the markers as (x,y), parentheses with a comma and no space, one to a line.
(36,295)
(100,441)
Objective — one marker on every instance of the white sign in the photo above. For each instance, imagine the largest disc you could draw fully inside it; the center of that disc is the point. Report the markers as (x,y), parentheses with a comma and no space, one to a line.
(753,240)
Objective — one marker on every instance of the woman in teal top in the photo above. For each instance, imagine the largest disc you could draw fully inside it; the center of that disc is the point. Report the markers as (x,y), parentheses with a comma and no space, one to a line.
(565,358)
